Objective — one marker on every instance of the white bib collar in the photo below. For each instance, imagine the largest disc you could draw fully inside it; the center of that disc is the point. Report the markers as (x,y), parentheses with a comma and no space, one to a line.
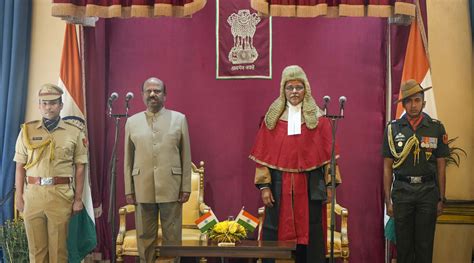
(294,118)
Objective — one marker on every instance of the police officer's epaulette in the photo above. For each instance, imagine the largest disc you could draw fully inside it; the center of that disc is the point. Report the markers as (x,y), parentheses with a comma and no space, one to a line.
(32,122)
(74,123)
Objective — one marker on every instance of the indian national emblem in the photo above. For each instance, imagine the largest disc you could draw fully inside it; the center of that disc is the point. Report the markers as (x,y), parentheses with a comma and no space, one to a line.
(243,27)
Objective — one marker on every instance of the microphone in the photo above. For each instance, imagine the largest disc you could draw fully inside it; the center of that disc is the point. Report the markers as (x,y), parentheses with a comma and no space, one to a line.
(114,96)
(128,97)
(342,101)
(326,99)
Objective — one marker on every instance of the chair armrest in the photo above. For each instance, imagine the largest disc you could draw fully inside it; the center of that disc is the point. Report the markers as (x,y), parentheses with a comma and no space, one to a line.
(123,212)
(261,212)
(203,208)
(344,231)
(128,209)
(261,216)
(337,209)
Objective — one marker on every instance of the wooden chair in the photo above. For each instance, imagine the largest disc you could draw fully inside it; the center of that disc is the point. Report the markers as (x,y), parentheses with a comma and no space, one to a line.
(126,244)
(341,240)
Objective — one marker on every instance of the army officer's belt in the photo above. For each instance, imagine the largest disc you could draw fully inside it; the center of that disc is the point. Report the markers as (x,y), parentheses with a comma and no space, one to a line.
(414,179)
(48,180)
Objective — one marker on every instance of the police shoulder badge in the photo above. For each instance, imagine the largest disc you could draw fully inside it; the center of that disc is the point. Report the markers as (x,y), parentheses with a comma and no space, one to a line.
(85,142)
(445,138)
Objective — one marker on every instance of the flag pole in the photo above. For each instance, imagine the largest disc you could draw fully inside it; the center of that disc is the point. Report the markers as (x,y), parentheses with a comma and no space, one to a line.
(402,20)
(388,110)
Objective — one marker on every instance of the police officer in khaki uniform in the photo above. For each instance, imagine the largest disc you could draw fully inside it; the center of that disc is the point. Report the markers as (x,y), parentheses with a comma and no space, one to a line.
(157,167)
(50,156)
(414,150)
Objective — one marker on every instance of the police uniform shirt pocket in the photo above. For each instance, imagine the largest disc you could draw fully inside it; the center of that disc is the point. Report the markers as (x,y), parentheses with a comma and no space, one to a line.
(176,171)
(135,171)
(64,153)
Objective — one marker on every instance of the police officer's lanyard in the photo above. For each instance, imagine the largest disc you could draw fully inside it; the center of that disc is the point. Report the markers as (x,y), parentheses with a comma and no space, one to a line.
(40,146)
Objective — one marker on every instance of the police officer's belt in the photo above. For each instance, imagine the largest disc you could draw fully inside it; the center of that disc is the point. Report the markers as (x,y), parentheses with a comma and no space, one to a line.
(48,180)
(414,179)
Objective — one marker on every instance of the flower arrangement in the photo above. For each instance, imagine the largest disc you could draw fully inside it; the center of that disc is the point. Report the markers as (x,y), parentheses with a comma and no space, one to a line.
(13,241)
(227,232)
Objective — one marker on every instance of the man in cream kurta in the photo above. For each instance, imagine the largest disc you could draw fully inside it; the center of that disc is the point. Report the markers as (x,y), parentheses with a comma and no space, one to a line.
(157,169)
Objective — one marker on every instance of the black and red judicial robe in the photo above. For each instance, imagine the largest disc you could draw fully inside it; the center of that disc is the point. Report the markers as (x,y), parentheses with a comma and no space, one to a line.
(297,181)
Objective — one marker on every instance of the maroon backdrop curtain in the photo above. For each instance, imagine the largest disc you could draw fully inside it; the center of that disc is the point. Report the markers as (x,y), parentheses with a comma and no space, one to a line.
(340,56)
(96,59)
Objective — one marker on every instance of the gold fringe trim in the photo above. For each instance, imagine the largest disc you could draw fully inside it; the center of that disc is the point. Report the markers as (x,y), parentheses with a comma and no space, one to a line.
(380,11)
(351,10)
(141,11)
(311,11)
(261,6)
(288,169)
(405,9)
(283,10)
(61,10)
(264,8)
(332,12)
(298,11)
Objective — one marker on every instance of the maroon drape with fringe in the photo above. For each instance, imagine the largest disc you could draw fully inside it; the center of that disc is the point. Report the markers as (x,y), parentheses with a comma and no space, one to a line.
(334,8)
(125,8)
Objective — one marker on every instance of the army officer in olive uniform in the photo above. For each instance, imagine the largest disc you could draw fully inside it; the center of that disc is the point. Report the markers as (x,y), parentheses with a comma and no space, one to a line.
(414,150)
(50,155)
(157,168)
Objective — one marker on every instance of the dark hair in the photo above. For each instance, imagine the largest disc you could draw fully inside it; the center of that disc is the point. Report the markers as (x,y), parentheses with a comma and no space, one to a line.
(147,80)
(405,100)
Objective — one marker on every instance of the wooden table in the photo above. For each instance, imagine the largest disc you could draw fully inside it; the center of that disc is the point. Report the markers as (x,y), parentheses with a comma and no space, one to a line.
(245,249)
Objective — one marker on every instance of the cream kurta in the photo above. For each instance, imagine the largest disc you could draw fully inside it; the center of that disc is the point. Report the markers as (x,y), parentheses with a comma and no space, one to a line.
(157,159)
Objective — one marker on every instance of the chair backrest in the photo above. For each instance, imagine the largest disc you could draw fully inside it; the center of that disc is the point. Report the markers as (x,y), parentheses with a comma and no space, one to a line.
(191,207)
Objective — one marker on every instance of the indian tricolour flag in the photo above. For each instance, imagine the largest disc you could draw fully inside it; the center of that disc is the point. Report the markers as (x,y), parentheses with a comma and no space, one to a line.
(247,220)
(82,235)
(417,66)
(206,221)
